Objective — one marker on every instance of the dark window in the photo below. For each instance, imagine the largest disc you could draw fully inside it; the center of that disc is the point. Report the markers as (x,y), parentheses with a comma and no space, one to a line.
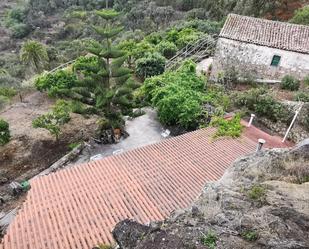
(276,60)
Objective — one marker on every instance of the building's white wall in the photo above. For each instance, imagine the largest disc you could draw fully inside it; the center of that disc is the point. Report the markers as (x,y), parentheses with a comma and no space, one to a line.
(255,60)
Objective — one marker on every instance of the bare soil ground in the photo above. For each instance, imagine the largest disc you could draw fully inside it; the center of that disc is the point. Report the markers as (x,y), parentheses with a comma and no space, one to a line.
(32,150)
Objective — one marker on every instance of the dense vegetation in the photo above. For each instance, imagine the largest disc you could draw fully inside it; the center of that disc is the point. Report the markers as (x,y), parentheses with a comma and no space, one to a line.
(118,46)
(182,97)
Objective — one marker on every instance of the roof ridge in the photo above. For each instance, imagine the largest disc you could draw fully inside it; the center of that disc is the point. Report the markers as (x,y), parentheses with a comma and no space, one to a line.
(268,20)
(269,33)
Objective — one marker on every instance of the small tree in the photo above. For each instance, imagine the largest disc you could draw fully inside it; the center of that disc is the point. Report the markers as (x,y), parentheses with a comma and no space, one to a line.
(290,83)
(34,53)
(4,132)
(53,121)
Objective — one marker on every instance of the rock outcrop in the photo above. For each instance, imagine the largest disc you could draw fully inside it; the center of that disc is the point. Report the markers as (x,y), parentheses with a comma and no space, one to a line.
(262,201)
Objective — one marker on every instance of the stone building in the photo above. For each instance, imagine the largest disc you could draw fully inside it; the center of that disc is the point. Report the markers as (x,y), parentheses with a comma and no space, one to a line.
(262,49)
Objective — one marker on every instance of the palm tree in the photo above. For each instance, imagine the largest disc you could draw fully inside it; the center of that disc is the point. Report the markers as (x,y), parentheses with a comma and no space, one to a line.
(34,53)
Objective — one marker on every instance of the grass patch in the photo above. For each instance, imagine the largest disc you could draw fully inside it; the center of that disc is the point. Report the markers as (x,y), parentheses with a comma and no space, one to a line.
(210,240)
(257,193)
(227,128)
(72,146)
(8,92)
(250,235)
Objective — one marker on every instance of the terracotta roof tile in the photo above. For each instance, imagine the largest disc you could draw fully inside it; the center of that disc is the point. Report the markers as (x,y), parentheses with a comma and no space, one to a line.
(78,207)
(281,35)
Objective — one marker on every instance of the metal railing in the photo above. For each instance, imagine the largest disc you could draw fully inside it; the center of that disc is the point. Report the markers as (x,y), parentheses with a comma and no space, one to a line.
(62,66)
(197,51)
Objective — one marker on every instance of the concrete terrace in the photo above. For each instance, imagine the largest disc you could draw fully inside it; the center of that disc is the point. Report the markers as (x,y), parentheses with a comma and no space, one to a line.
(78,207)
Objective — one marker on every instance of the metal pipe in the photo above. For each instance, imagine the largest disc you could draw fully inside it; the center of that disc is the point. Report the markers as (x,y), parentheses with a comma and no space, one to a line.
(292,123)
(260,144)
(251,119)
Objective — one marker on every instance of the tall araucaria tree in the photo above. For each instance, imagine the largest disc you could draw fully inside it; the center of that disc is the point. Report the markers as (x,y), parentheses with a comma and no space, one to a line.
(112,79)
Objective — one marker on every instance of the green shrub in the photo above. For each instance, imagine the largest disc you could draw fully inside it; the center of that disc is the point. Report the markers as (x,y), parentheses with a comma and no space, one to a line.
(183,37)
(86,65)
(8,92)
(20,30)
(72,146)
(167,49)
(150,65)
(302,96)
(301,16)
(270,108)
(58,83)
(230,128)
(4,132)
(210,240)
(142,49)
(262,103)
(53,120)
(290,83)
(257,193)
(177,96)
(16,16)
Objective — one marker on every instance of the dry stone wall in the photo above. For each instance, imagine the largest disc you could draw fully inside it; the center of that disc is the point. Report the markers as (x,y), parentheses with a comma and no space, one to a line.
(255,61)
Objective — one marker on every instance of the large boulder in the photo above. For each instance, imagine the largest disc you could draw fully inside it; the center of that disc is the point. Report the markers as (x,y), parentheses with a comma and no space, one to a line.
(260,202)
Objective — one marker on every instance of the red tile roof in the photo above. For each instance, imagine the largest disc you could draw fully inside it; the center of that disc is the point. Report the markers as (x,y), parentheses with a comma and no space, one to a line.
(78,207)
(281,35)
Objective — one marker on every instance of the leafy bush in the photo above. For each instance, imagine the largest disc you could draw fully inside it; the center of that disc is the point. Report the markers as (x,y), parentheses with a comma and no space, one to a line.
(86,65)
(230,128)
(72,146)
(152,64)
(167,49)
(53,120)
(302,96)
(177,96)
(20,30)
(290,83)
(187,36)
(8,92)
(262,103)
(249,98)
(205,26)
(178,105)
(57,83)
(301,16)
(142,49)
(16,15)
(267,106)
(257,193)
(4,132)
